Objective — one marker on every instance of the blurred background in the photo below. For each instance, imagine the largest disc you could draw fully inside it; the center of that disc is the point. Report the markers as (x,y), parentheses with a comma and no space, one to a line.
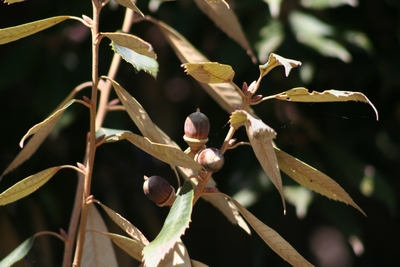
(343,44)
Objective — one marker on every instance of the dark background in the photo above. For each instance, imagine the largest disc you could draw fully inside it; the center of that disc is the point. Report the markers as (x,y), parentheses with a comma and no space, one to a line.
(341,139)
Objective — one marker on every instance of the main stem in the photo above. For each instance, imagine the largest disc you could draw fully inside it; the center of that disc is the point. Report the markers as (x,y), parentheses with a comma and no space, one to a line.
(92,136)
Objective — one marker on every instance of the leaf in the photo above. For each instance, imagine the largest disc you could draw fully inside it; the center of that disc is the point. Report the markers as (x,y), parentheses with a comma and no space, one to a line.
(17,32)
(131,246)
(131,42)
(219,1)
(131,5)
(301,94)
(275,61)
(163,152)
(125,225)
(13,1)
(18,253)
(174,226)
(138,61)
(97,249)
(227,21)
(272,35)
(48,121)
(27,186)
(178,256)
(210,72)
(274,7)
(272,238)
(137,113)
(313,179)
(260,136)
(322,4)
(198,264)
(224,94)
(300,197)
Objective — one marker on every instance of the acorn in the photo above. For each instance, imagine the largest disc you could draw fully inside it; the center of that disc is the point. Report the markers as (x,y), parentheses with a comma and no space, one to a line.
(196,128)
(211,159)
(158,190)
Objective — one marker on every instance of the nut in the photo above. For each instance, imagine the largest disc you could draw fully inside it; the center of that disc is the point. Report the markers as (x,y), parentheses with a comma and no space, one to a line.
(211,159)
(158,190)
(196,128)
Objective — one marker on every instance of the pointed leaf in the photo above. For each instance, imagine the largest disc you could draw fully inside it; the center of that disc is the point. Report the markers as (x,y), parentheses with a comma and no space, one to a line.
(227,21)
(97,249)
(131,5)
(17,32)
(272,238)
(138,61)
(260,136)
(174,226)
(313,179)
(18,253)
(178,256)
(27,186)
(137,113)
(125,225)
(275,61)
(48,121)
(131,246)
(166,153)
(131,42)
(210,72)
(224,93)
(301,94)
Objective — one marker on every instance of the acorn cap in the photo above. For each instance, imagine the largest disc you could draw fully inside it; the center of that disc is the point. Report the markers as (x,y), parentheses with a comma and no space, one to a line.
(157,189)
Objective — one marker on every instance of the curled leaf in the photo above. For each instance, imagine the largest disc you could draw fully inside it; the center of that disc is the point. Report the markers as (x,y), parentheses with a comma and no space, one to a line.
(301,94)
(275,61)
(210,72)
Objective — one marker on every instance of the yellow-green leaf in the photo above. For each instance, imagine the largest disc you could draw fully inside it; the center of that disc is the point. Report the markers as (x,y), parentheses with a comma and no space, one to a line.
(301,94)
(48,121)
(274,7)
(131,5)
(13,1)
(18,253)
(17,32)
(275,61)
(27,186)
(272,238)
(132,42)
(131,246)
(125,225)
(313,179)
(210,72)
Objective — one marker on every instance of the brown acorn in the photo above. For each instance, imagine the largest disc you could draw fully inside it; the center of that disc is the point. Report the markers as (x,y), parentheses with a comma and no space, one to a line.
(196,128)
(211,159)
(158,190)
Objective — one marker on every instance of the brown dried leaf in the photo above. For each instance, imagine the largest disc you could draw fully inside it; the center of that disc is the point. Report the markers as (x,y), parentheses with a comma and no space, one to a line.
(301,94)
(131,5)
(313,179)
(227,21)
(224,93)
(132,42)
(210,72)
(275,61)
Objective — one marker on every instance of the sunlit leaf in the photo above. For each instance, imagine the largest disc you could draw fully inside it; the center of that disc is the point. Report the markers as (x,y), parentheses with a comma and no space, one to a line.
(48,121)
(272,238)
(224,93)
(174,226)
(227,21)
(178,256)
(13,1)
(131,5)
(301,94)
(17,32)
(98,249)
(138,61)
(275,61)
(131,42)
(272,35)
(313,179)
(274,7)
(27,186)
(18,253)
(198,264)
(209,72)
(131,246)
(260,136)
(137,113)
(125,225)
(315,33)
(322,4)
(167,153)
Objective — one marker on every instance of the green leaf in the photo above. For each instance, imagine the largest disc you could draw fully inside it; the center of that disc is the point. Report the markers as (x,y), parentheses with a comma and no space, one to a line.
(18,253)
(209,72)
(274,7)
(177,221)
(27,186)
(272,35)
(138,61)
(323,4)
(17,32)
(131,42)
